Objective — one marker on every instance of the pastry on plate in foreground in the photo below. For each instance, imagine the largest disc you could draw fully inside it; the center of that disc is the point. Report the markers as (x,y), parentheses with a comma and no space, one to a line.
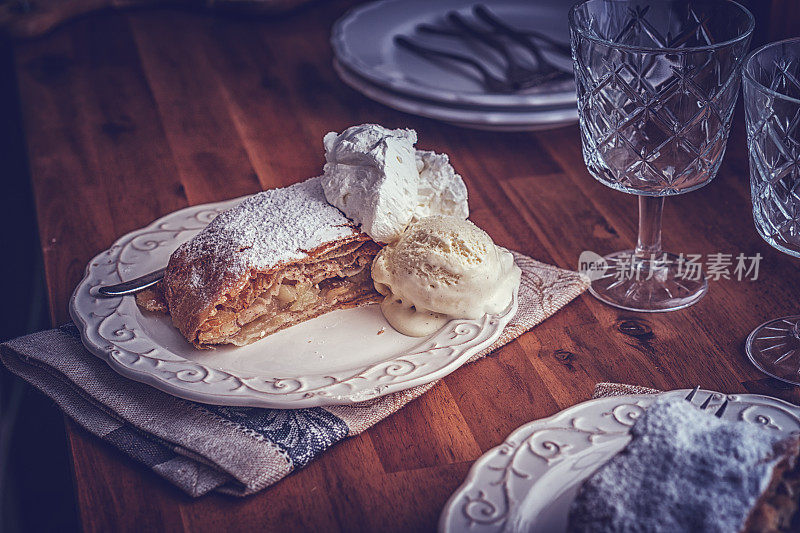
(686,470)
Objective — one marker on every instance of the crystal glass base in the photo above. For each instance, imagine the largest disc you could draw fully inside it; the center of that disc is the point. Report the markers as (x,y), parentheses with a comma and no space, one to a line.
(660,283)
(774,347)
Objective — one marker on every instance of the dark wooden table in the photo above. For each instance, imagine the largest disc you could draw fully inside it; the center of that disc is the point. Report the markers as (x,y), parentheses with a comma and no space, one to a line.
(131,116)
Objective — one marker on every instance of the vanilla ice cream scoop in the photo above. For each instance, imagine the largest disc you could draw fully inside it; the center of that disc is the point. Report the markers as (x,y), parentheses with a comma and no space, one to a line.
(442,268)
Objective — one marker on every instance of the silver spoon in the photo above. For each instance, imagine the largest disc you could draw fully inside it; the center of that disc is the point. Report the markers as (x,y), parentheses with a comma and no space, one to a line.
(134,285)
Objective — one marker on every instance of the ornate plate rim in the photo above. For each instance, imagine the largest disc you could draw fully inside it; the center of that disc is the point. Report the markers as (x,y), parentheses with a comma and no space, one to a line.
(196,381)
(513,441)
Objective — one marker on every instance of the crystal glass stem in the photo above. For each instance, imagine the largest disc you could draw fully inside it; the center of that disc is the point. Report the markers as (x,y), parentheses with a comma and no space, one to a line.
(647,278)
(649,242)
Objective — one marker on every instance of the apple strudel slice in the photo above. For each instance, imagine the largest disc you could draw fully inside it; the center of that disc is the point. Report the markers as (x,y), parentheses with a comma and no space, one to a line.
(279,258)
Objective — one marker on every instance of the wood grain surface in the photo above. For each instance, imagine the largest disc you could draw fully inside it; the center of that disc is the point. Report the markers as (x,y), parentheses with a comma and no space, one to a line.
(130,116)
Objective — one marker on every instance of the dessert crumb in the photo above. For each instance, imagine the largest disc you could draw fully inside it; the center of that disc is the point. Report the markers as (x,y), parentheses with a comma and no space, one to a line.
(382,330)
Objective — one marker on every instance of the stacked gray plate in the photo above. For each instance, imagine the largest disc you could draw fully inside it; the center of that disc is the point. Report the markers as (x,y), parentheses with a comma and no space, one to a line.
(368,59)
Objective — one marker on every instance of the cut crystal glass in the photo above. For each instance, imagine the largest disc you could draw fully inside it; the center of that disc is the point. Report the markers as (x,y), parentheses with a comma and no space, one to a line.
(772,110)
(657,82)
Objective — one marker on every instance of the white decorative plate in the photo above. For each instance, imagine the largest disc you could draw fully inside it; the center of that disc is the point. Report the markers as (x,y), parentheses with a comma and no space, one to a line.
(363,41)
(339,358)
(528,482)
(467,117)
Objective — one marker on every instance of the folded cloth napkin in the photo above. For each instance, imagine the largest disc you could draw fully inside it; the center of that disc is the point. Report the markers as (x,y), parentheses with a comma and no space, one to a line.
(605,390)
(235,450)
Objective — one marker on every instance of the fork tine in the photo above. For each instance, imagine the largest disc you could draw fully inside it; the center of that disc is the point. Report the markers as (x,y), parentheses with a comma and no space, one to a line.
(721,409)
(708,401)
(690,396)
(483,13)
(473,32)
(489,81)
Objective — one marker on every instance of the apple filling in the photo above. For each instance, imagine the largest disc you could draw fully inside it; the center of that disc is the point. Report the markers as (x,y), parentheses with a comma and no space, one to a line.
(268,301)
(288,303)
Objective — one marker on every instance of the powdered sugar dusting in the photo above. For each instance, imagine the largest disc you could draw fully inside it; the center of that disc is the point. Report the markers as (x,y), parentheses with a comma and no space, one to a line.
(270,228)
(684,470)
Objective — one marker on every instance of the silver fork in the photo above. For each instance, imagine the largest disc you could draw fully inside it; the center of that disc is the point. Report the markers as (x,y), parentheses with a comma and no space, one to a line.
(547,70)
(518,74)
(551,44)
(491,82)
(523,37)
(720,410)
(132,286)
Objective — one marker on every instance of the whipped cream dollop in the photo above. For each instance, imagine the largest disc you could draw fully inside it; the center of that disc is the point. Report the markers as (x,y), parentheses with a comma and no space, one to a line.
(442,268)
(376,177)
(441,191)
(371,175)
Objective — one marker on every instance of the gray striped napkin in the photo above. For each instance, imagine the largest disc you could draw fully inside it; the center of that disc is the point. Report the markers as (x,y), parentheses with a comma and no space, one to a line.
(235,450)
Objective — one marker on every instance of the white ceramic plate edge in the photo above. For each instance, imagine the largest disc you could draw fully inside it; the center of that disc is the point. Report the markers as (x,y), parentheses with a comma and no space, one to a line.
(517,120)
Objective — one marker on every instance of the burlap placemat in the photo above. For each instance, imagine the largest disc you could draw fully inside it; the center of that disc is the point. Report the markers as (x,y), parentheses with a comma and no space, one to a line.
(236,450)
